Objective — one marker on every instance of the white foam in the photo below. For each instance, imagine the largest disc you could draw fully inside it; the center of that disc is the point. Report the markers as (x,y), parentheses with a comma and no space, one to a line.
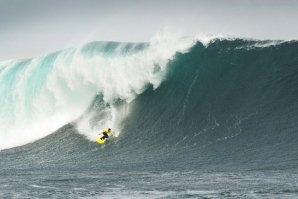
(30,111)
(130,77)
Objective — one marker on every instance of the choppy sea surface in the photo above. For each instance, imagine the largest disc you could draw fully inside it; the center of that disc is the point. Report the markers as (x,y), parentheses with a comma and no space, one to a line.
(188,184)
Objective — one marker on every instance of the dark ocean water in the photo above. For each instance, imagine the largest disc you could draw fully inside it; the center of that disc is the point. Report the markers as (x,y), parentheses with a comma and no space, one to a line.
(222,124)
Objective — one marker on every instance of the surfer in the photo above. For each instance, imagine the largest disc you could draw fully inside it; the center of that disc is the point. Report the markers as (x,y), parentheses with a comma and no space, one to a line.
(105,133)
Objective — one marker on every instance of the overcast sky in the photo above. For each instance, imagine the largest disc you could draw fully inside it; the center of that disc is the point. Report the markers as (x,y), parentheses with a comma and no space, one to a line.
(30,28)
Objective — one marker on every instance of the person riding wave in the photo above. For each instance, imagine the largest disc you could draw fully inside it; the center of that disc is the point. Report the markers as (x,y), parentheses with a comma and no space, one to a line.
(105,133)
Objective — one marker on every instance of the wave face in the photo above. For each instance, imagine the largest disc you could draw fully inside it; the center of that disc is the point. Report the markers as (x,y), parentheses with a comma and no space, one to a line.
(228,104)
(231,104)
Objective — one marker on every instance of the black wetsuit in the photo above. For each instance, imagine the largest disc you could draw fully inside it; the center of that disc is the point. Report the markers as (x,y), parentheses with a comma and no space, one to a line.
(105,135)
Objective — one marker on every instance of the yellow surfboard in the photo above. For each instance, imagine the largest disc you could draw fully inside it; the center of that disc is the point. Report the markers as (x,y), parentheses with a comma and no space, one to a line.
(100,141)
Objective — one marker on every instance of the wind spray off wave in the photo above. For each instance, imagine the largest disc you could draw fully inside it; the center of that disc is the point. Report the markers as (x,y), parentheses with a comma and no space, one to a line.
(40,95)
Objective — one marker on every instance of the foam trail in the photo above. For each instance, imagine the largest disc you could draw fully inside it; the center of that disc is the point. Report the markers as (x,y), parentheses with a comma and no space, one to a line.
(42,94)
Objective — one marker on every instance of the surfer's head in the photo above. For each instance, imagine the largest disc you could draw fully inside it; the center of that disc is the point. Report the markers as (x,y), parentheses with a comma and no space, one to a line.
(109,129)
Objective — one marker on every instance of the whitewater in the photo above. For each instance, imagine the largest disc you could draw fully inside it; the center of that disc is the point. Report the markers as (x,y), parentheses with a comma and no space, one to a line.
(196,117)
(42,94)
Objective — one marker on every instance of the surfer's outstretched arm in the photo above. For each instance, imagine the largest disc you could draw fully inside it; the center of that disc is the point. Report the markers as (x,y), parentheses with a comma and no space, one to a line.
(113,134)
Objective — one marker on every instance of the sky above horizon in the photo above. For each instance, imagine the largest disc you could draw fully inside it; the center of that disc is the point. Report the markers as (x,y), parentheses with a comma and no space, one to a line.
(32,28)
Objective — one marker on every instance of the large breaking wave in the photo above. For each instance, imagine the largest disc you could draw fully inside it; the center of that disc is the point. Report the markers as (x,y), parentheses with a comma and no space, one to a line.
(177,102)
(40,95)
